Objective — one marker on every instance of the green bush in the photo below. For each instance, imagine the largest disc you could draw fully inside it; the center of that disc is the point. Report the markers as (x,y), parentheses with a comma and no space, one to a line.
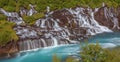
(2,17)
(3,3)
(114,55)
(9,8)
(7,34)
(30,20)
(93,53)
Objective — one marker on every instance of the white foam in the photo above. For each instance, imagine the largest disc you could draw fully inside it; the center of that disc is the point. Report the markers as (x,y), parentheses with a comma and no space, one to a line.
(108,45)
(55,41)
(36,49)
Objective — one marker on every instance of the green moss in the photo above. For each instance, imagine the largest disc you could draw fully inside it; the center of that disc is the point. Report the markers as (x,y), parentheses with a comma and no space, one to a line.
(9,8)
(3,3)
(7,34)
(56,4)
(2,17)
(30,20)
(93,53)
(38,15)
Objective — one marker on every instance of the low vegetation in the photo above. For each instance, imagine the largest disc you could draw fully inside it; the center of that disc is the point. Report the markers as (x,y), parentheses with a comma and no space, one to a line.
(7,34)
(14,5)
(30,20)
(2,17)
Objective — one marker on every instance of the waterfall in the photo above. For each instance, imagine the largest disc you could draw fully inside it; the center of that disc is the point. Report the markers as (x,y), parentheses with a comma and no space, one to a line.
(39,43)
(88,21)
(29,44)
(111,15)
(55,41)
(43,41)
(64,26)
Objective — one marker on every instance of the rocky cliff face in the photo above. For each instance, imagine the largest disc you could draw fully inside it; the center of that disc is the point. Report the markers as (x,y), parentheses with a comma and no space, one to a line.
(66,26)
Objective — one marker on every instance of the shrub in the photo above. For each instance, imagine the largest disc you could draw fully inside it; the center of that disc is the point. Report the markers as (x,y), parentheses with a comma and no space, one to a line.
(9,8)
(93,53)
(2,17)
(7,34)
(30,20)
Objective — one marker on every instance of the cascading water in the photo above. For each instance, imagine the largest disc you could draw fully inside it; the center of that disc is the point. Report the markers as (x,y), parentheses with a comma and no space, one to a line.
(88,21)
(61,26)
(111,16)
(12,16)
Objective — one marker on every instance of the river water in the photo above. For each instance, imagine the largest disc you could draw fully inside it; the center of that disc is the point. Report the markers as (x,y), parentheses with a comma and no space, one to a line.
(106,40)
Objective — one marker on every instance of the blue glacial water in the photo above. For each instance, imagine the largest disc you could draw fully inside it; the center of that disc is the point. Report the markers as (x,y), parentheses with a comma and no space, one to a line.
(45,55)
(106,39)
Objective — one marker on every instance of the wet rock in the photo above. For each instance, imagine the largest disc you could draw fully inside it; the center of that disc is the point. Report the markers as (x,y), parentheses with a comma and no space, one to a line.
(66,26)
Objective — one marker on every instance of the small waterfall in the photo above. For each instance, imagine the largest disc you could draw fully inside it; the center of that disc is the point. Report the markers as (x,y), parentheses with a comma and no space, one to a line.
(43,41)
(29,44)
(88,21)
(112,16)
(12,16)
(116,24)
(55,41)
(32,10)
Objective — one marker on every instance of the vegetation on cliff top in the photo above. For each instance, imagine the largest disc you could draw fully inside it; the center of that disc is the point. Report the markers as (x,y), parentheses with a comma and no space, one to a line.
(14,5)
